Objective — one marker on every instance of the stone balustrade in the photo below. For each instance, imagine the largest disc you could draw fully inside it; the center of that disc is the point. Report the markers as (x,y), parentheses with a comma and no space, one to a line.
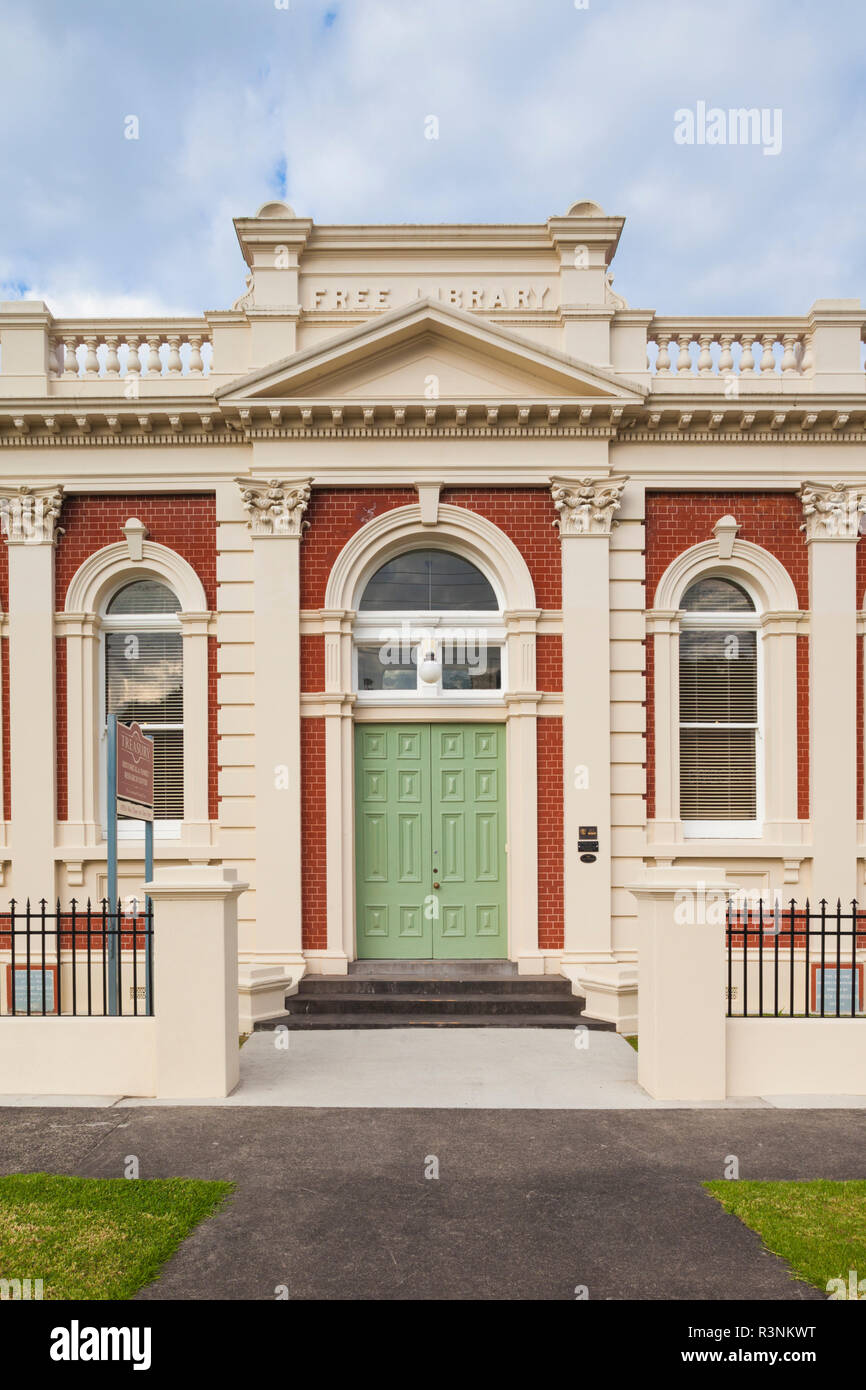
(721,349)
(119,349)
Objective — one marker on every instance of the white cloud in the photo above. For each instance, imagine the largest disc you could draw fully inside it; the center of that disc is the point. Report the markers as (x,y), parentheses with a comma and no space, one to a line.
(538,103)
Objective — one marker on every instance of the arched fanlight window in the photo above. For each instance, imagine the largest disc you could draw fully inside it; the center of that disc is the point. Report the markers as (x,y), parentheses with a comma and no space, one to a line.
(719,712)
(144,679)
(451,645)
(425,581)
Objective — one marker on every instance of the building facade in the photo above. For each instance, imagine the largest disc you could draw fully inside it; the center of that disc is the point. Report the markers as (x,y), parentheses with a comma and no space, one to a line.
(454,593)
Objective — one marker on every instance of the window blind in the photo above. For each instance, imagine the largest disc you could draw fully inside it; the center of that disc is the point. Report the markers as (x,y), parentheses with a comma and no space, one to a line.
(144,683)
(718,725)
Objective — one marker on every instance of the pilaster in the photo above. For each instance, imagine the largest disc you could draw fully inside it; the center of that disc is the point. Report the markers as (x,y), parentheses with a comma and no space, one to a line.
(28,516)
(831,519)
(586,509)
(276,520)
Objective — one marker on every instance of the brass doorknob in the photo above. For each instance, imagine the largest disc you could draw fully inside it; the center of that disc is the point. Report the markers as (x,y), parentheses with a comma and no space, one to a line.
(435,885)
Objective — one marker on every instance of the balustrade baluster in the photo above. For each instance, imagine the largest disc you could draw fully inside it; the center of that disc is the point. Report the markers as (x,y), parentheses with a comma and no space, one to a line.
(154,361)
(684,360)
(726,356)
(196,366)
(789,355)
(705,359)
(174,363)
(70,367)
(91,361)
(747,361)
(768,360)
(112,361)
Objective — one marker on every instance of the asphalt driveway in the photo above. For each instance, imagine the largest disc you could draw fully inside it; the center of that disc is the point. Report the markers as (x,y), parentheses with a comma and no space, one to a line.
(528,1204)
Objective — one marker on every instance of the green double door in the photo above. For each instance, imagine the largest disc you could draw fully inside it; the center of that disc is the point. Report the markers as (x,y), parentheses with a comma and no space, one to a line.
(430,841)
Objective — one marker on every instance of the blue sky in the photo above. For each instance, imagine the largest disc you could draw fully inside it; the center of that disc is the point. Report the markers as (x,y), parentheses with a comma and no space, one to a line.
(539,103)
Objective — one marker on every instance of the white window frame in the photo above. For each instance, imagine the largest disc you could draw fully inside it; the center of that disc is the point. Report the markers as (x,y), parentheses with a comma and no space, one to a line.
(435,628)
(131,623)
(729,622)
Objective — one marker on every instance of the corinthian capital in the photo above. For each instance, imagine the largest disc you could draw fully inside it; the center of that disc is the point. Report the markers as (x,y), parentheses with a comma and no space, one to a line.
(275,508)
(831,510)
(585,506)
(29,515)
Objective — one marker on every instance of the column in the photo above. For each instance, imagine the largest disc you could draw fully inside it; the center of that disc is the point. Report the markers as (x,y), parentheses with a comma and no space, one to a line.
(276,519)
(29,523)
(831,520)
(586,509)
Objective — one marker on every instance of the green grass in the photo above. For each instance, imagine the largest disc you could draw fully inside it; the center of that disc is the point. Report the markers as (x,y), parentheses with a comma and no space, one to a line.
(631,1039)
(818,1227)
(97,1238)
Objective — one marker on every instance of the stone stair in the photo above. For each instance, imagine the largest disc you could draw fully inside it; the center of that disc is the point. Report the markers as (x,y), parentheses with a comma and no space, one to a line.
(433,994)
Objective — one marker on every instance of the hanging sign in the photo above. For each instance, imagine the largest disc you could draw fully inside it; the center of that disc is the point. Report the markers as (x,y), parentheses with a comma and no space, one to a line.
(134,782)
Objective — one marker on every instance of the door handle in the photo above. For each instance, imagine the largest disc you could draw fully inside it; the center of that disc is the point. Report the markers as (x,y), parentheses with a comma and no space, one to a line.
(435,885)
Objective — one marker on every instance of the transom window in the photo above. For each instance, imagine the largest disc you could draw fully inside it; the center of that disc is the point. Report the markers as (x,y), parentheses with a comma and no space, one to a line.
(719,714)
(144,680)
(426,581)
(407,642)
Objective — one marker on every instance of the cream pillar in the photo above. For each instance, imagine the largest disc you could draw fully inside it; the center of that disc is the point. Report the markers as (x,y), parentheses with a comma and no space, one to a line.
(339,794)
(832,515)
(195,629)
(195,939)
(276,512)
(586,510)
(29,518)
(681,1000)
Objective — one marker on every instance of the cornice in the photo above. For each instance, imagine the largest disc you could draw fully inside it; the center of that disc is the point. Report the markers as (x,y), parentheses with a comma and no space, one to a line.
(106,424)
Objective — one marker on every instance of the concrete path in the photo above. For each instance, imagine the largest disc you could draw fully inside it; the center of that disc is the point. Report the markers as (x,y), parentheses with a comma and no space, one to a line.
(444,1068)
(528,1204)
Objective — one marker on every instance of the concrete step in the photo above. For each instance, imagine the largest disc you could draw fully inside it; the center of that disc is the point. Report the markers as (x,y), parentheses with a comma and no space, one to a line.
(435,969)
(443,1003)
(331,986)
(310,1022)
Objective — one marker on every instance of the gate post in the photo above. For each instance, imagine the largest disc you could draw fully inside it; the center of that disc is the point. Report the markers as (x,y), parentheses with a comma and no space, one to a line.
(195,952)
(681,985)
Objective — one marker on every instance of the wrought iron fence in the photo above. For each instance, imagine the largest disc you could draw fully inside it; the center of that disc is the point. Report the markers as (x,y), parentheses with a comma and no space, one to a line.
(83,962)
(786,961)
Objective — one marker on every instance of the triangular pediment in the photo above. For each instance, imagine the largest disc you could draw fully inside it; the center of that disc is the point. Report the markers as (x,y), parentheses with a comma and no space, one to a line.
(426,350)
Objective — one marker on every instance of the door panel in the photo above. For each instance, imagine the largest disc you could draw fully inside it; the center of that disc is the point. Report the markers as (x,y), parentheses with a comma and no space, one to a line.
(430,810)
(392,841)
(469,840)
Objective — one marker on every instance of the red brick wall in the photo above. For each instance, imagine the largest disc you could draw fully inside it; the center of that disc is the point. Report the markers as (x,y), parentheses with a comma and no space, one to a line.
(550,835)
(314,876)
(548,661)
(677,520)
(60,687)
(312,661)
(4,657)
(526,515)
(185,523)
(7,741)
(860,600)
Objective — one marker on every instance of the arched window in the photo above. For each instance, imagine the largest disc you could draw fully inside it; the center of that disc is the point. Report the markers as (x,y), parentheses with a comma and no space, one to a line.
(429,625)
(719,709)
(143,679)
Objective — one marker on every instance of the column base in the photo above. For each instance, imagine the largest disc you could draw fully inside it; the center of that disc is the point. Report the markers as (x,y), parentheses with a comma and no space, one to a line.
(326,962)
(610,990)
(262,991)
